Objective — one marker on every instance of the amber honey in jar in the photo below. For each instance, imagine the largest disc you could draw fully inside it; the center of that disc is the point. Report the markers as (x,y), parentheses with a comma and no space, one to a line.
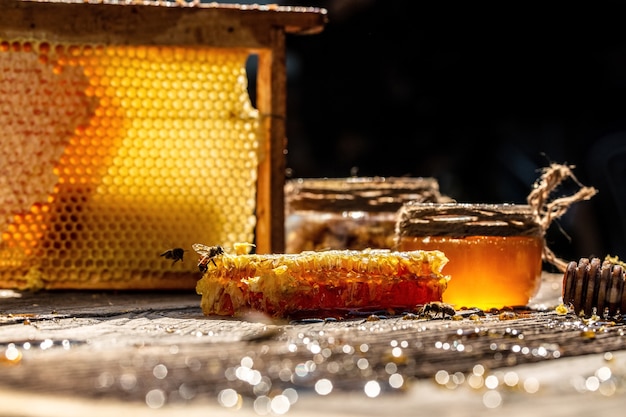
(349,213)
(494,250)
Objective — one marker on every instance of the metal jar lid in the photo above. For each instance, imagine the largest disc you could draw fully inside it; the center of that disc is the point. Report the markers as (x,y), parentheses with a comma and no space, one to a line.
(370,194)
(462,219)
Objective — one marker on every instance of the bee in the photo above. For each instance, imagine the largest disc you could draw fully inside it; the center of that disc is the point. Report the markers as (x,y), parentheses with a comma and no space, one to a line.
(437,308)
(176,254)
(208,253)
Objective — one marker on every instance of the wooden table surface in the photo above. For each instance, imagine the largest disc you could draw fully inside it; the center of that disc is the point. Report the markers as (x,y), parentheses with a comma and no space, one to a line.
(144,353)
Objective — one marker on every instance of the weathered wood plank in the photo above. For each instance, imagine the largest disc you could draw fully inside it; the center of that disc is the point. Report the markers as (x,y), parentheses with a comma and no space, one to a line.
(154,23)
(556,398)
(158,349)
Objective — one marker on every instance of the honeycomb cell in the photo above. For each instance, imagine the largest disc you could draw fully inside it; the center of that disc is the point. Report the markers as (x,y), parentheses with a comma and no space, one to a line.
(149,129)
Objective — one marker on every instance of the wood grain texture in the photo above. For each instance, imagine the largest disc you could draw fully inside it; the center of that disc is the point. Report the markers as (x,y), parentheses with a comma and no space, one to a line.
(154,23)
(121,349)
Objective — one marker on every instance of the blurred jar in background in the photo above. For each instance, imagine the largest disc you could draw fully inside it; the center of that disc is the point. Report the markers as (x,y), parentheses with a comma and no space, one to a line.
(350,213)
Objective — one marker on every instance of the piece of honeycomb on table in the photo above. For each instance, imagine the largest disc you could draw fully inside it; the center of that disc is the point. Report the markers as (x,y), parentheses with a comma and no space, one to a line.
(333,283)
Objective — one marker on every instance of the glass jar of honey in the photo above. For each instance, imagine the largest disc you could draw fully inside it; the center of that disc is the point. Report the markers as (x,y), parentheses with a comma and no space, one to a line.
(349,213)
(494,250)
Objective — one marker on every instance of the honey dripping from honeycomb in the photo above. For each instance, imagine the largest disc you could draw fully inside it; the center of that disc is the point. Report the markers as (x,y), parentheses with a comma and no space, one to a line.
(110,153)
(330,283)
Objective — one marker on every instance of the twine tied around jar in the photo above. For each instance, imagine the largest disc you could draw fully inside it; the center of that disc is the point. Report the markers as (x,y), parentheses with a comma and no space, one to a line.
(545,210)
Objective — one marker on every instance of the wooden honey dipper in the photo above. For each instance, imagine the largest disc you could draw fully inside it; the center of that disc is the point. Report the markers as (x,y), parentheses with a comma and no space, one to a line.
(595,287)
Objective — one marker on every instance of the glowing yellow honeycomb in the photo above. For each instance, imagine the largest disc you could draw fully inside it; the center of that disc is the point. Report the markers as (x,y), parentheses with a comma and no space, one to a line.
(112,154)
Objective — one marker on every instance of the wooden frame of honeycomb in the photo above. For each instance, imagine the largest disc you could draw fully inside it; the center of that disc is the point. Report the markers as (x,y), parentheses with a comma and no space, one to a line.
(70,40)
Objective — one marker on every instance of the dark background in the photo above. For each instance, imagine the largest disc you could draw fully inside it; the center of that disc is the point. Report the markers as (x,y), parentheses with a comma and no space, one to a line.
(480,95)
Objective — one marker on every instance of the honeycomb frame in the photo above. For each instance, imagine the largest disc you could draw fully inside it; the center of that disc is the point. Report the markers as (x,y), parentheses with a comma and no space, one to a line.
(47,239)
